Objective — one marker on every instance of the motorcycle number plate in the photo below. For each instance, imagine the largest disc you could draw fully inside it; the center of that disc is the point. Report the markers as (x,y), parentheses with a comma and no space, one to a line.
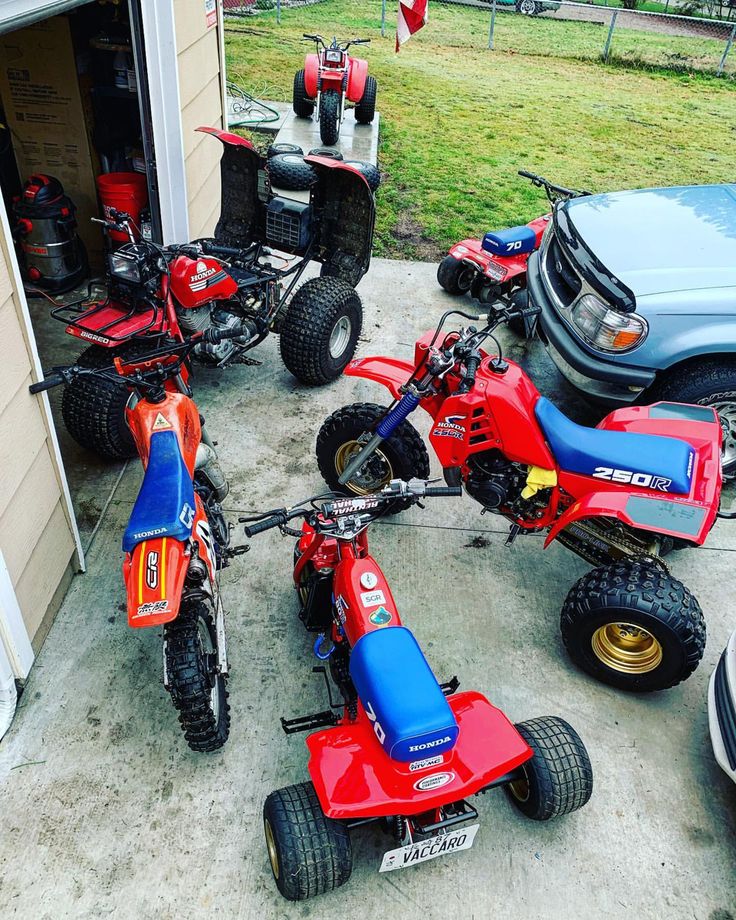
(430,848)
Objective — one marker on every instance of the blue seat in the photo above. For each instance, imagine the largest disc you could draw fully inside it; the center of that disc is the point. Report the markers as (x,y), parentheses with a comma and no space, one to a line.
(512,242)
(401,695)
(165,503)
(646,460)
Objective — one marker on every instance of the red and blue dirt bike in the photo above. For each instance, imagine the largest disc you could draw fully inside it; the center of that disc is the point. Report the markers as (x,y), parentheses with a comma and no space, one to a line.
(645,481)
(495,267)
(398,748)
(330,78)
(177,540)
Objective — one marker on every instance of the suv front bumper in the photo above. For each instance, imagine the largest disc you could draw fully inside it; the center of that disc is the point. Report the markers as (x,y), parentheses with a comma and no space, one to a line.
(599,379)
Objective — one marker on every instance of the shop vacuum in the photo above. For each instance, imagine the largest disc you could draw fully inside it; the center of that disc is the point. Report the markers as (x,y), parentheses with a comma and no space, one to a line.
(52,257)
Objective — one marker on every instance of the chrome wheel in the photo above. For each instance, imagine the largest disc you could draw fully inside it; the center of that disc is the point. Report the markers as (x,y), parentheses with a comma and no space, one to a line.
(519,788)
(726,410)
(528,7)
(271,845)
(340,336)
(627,648)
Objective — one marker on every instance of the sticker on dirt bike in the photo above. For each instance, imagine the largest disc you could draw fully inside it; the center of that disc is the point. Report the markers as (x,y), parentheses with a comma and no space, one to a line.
(422,850)
(152,560)
(372,598)
(426,763)
(369,580)
(161,422)
(377,727)
(449,428)
(341,606)
(435,781)
(187,515)
(146,610)
(198,281)
(644,480)
(380,617)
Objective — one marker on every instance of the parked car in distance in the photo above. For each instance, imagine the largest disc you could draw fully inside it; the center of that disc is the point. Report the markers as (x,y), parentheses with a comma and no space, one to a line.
(722,709)
(637,291)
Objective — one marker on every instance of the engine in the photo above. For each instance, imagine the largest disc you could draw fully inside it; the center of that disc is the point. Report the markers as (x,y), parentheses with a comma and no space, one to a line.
(210,316)
(494,481)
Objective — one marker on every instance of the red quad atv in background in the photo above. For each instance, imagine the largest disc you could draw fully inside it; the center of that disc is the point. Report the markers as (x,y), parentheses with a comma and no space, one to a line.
(397,748)
(177,540)
(329,79)
(646,480)
(495,266)
(244,278)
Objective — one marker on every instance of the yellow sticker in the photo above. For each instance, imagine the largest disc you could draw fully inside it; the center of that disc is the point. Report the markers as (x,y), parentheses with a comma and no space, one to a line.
(161,422)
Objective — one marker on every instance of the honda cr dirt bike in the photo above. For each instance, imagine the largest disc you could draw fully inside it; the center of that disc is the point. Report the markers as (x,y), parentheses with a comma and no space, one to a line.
(397,747)
(177,540)
(495,266)
(646,480)
(330,78)
(235,280)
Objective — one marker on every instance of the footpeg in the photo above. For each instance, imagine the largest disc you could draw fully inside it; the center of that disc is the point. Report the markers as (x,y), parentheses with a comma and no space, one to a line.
(326,719)
(236,550)
(450,686)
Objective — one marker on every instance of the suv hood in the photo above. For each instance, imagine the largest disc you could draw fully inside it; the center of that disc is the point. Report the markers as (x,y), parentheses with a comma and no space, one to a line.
(661,240)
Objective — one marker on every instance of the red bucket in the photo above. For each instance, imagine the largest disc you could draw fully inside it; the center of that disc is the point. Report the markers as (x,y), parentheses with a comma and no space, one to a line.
(124,191)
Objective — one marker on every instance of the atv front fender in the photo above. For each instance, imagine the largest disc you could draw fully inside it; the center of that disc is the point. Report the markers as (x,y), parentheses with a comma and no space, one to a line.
(311,74)
(356,79)
(391,373)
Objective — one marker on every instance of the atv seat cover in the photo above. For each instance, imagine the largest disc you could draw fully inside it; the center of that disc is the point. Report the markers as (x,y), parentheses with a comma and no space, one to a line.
(401,696)
(646,460)
(165,503)
(512,242)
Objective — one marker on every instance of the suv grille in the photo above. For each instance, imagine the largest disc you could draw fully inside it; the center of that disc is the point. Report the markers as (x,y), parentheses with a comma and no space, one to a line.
(562,280)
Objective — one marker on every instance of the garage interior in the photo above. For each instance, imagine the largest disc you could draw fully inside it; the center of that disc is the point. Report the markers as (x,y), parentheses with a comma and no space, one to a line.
(74,107)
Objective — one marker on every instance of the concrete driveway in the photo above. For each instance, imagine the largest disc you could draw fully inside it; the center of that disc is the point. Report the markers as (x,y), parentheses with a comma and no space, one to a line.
(105,811)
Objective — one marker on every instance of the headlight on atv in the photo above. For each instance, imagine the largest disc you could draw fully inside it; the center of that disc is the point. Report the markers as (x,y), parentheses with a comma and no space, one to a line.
(607,330)
(334,57)
(125,266)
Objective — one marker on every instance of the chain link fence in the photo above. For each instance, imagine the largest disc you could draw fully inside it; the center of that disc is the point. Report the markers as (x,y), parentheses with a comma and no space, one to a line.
(661,38)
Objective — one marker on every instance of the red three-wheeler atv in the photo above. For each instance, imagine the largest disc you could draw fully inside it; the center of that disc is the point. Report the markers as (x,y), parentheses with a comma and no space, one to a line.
(622,495)
(397,747)
(330,78)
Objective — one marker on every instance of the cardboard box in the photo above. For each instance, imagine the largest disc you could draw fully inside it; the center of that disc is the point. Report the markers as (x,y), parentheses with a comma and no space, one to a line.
(46,118)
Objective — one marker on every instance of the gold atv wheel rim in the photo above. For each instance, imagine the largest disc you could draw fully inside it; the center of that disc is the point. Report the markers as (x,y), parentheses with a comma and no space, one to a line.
(271,844)
(627,648)
(363,483)
(520,788)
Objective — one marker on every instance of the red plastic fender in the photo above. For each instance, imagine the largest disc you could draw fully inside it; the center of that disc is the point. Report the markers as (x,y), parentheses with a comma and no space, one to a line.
(391,373)
(226,137)
(311,74)
(154,576)
(356,79)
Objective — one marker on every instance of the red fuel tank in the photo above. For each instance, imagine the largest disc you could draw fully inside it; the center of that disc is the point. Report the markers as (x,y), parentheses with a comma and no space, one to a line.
(195,282)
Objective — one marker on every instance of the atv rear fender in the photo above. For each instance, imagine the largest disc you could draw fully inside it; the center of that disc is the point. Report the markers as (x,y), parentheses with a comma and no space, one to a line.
(311,74)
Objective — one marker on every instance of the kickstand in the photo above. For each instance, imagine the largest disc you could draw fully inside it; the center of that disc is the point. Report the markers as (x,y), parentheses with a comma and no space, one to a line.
(514,532)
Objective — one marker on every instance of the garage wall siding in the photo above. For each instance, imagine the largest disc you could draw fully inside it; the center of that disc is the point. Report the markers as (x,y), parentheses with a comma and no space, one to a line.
(35,537)
(198,53)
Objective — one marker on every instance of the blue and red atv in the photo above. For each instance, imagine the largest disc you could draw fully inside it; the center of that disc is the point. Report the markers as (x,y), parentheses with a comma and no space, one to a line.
(495,266)
(398,747)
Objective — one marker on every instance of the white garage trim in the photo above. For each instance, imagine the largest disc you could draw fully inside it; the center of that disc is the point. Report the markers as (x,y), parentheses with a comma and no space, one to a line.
(14,638)
(15,14)
(161,65)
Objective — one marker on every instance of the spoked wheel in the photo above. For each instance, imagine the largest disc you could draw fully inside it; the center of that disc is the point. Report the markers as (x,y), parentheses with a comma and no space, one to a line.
(559,777)
(197,688)
(309,853)
(454,276)
(634,626)
(343,434)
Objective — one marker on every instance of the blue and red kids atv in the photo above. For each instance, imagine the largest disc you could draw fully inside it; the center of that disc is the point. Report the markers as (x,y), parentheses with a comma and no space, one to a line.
(496,265)
(398,748)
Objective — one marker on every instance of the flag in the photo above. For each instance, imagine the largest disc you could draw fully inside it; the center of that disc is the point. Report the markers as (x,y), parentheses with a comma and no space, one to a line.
(413,14)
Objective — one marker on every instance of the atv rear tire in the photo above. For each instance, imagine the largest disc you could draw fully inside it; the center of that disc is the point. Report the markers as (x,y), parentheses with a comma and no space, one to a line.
(320,330)
(365,110)
(402,456)
(303,105)
(310,854)
(710,382)
(329,117)
(94,410)
(289,171)
(197,688)
(369,171)
(275,149)
(559,777)
(454,276)
(328,152)
(633,626)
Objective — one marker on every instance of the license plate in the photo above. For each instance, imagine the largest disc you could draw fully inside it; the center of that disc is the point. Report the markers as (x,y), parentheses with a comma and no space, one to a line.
(430,848)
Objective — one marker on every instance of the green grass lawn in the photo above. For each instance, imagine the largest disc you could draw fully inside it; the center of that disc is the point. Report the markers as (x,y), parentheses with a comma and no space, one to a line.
(458,121)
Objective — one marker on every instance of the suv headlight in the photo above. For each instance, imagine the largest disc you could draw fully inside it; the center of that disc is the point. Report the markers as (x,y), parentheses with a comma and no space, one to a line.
(607,330)
(125,266)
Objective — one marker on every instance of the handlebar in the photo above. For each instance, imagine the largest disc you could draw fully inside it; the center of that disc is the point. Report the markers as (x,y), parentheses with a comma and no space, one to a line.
(550,188)
(47,384)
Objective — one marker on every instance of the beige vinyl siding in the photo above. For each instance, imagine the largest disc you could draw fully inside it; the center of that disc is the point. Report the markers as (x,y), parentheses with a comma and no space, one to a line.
(200,93)
(35,536)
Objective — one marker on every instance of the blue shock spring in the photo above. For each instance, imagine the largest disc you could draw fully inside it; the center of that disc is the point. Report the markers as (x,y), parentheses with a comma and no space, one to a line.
(407,404)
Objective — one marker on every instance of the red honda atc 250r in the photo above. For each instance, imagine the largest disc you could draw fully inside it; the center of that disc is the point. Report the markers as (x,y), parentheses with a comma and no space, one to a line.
(177,541)
(495,266)
(397,748)
(244,278)
(330,78)
(646,480)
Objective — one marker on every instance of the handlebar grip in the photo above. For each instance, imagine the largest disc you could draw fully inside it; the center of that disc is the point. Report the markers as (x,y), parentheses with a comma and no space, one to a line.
(252,529)
(47,384)
(215,248)
(528,175)
(443,491)
(471,366)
